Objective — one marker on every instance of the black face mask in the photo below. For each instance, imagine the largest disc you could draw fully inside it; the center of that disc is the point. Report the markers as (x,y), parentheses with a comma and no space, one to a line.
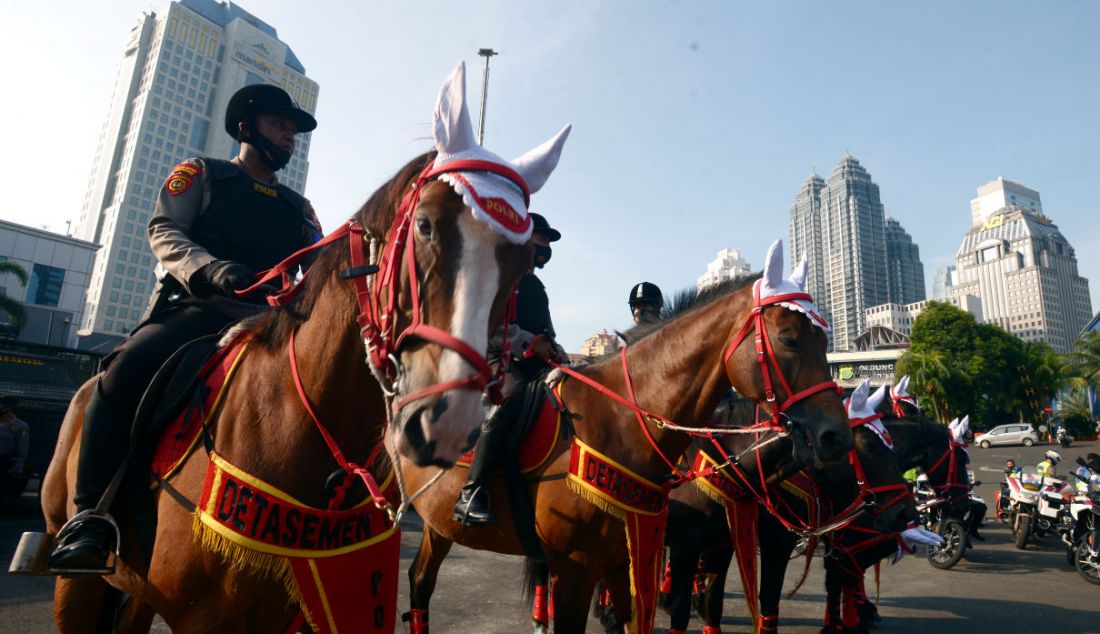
(272,155)
(542,255)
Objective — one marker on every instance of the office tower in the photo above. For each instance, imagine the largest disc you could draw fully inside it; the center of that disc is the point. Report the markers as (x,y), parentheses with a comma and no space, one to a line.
(179,68)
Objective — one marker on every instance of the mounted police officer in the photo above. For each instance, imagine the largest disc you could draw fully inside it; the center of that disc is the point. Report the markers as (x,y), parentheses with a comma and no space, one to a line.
(216,224)
(533,319)
(646,303)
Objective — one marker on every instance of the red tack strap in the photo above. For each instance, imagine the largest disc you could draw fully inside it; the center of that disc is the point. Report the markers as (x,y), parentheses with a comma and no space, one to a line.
(333,447)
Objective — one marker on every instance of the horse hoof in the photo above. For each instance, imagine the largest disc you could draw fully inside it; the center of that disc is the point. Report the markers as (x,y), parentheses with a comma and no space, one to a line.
(542,628)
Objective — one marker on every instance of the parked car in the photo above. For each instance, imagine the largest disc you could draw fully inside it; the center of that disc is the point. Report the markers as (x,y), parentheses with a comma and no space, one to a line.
(1016,434)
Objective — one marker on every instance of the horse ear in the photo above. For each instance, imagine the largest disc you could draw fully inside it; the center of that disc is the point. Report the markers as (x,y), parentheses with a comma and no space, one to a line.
(964,426)
(773,265)
(859,398)
(452,128)
(536,165)
(798,276)
(876,399)
(903,385)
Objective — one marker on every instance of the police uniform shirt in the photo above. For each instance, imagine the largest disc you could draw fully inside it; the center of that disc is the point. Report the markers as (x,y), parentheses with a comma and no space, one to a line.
(209,209)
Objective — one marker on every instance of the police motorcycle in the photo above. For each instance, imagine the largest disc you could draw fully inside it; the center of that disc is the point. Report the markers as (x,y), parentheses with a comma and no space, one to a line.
(954,530)
(1080,526)
(1063,438)
(1035,503)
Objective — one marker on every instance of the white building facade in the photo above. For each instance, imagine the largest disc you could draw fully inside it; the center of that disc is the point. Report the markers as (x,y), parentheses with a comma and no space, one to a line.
(900,317)
(1022,268)
(728,264)
(58,268)
(178,71)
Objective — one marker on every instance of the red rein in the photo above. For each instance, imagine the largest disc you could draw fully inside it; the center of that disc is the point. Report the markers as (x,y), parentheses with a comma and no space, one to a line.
(765,357)
(377,316)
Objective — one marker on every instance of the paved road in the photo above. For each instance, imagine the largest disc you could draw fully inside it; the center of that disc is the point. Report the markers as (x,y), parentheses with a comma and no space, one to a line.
(995,589)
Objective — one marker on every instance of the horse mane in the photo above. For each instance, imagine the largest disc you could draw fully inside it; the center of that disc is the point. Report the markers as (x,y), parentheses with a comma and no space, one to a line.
(272,328)
(688,299)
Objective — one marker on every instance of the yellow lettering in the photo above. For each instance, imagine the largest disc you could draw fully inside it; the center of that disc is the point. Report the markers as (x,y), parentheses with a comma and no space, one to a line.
(265,190)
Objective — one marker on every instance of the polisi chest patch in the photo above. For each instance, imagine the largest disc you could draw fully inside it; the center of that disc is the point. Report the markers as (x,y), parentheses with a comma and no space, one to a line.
(266,190)
(181,178)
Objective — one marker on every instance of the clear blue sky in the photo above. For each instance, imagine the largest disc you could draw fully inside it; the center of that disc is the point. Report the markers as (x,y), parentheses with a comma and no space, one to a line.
(694,122)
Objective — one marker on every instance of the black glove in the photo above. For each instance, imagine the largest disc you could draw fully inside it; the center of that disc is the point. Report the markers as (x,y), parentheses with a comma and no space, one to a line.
(1081,461)
(226,276)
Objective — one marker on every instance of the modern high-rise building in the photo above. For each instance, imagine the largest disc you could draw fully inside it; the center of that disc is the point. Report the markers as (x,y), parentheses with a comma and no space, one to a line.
(178,71)
(941,285)
(806,239)
(728,265)
(1022,268)
(841,225)
(905,272)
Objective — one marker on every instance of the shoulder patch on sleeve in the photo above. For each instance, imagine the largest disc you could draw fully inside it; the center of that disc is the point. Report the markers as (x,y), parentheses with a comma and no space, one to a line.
(181,178)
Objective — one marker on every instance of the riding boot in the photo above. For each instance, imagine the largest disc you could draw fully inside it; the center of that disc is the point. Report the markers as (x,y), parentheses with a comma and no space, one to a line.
(472,508)
(86,542)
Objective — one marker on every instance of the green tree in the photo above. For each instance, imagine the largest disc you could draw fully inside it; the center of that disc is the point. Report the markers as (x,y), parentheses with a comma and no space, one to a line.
(13,309)
(1086,357)
(984,367)
(927,372)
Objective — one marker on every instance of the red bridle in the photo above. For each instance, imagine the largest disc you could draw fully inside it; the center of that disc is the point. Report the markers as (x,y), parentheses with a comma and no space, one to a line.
(952,481)
(765,353)
(378,303)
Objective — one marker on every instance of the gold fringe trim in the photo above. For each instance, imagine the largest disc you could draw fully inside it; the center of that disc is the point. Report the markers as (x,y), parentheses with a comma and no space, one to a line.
(710,491)
(262,565)
(602,503)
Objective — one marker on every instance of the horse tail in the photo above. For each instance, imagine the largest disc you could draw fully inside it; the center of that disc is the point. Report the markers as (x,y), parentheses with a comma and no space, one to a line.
(535,573)
(811,546)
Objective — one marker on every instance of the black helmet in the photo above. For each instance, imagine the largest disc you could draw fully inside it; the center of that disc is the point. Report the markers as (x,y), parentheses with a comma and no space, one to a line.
(257,98)
(542,226)
(645,293)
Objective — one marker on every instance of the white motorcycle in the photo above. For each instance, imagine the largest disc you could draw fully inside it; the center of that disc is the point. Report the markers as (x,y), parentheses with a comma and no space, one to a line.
(1034,505)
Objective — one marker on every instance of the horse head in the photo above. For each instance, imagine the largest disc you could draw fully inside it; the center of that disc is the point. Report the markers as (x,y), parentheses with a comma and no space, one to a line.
(784,363)
(876,463)
(451,270)
(940,452)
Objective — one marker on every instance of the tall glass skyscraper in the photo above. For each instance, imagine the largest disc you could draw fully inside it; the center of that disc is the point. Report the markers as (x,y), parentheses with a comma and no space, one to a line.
(806,237)
(841,225)
(905,272)
(178,71)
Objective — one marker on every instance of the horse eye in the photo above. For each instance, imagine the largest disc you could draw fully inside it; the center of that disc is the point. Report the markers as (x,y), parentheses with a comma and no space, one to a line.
(424,227)
(789,343)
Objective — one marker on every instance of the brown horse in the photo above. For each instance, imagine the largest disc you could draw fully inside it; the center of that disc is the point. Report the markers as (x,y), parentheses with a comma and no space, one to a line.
(682,368)
(916,443)
(454,279)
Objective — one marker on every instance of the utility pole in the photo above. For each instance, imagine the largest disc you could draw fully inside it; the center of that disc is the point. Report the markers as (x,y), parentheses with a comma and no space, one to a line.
(486,53)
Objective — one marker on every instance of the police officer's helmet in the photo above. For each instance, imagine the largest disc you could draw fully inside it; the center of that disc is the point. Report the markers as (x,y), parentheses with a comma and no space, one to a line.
(259,98)
(542,225)
(645,293)
(1053,456)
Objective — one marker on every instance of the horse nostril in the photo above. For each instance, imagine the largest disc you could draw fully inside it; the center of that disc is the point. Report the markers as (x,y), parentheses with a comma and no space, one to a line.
(437,410)
(832,441)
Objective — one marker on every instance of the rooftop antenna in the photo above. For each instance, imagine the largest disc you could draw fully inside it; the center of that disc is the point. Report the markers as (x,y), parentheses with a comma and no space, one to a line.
(486,53)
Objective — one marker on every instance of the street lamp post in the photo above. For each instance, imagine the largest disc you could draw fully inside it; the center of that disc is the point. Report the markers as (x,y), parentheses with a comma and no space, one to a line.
(486,53)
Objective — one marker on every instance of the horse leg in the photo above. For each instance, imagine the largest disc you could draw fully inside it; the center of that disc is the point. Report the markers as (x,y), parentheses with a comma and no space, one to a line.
(617,585)
(832,601)
(683,559)
(135,618)
(571,586)
(776,546)
(867,610)
(78,605)
(716,563)
(423,574)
